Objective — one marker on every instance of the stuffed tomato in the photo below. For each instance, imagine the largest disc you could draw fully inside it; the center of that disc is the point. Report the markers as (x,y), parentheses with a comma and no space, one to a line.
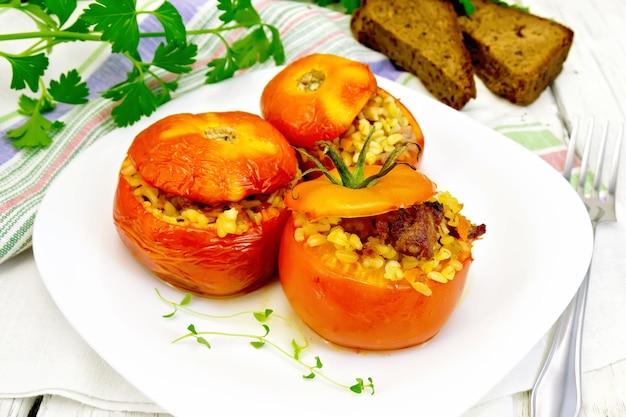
(375,268)
(199,200)
(323,97)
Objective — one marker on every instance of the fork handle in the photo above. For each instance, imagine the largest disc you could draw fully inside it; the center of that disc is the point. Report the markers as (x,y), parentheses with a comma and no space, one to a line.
(557,391)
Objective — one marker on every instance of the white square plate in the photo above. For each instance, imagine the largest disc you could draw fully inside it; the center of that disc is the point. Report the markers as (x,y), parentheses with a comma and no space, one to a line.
(527,268)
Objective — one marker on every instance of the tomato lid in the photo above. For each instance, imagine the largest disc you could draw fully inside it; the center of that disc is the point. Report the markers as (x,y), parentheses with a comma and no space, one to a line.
(213,157)
(317,97)
(401,187)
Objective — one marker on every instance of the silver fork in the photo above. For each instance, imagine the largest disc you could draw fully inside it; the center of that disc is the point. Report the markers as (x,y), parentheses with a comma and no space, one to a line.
(557,391)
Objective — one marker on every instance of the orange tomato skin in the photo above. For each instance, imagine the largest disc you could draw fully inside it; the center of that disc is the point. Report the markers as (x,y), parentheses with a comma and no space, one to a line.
(196,259)
(184,154)
(400,188)
(413,154)
(211,158)
(305,117)
(357,313)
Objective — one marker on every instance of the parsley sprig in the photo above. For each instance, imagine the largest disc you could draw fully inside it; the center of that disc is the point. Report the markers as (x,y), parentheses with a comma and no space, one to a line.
(349,6)
(463,7)
(467,8)
(261,339)
(150,81)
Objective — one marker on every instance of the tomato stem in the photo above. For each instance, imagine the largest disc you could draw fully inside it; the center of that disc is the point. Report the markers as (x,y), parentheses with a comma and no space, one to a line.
(320,167)
(355,178)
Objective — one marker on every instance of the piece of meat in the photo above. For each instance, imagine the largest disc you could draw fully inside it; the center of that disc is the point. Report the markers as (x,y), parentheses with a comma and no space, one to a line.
(411,231)
(476,231)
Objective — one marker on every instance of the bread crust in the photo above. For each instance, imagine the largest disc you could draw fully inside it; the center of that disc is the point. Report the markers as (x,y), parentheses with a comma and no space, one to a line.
(516,54)
(424,38)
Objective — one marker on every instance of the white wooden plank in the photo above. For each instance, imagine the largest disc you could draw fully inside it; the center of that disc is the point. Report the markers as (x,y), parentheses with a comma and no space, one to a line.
(603,391)
(15,407)
(593,81)
(55,406)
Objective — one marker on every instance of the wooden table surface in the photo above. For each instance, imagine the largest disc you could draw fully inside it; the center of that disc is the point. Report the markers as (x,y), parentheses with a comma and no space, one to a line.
(592,84)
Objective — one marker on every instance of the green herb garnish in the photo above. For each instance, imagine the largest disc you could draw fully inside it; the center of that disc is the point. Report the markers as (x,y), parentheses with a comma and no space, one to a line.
(511,5)
(348,6)
(259,340)
(355,178)
(467,8)
(462,7)
(151,80)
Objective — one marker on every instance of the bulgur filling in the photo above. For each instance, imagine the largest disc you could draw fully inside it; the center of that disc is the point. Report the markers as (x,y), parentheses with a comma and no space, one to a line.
(383,118)
(227,218)
(376,258)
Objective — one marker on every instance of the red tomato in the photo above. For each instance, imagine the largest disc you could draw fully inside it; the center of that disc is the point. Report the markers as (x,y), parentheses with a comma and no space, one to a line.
(362,312)
(196,259)
(214,159)
(354,304)
(322,97)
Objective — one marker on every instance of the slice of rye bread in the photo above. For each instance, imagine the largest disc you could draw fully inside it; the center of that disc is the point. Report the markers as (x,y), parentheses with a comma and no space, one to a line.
(516,54)
(424,38)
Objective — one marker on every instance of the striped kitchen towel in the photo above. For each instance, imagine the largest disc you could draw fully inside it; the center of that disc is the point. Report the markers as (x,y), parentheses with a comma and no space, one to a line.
(304,28)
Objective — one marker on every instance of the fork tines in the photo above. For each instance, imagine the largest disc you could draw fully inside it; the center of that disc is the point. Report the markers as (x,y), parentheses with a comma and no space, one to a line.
(586,170)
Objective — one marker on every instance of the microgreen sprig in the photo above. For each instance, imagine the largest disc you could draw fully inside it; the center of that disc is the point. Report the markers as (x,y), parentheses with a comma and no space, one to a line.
(150,81)
(297,344)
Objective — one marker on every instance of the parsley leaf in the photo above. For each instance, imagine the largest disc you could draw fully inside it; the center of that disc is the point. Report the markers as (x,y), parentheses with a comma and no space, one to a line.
(175,58)
(63,9)
(79,26)
(512,6)
(39,11)
(27,70)
(240,11)
(251,48)
(69,89)
(135,100)
(37,130)
(277,46)
(172,22)
(349,5)
(115,22)
(245,52)
(467,7)
(117,19)
(221,68)
(29,106)
(463,7)
(34,133)
(40,3)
